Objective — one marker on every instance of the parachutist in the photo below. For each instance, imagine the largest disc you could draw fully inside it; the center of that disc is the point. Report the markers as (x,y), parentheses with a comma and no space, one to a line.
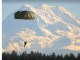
(25,44)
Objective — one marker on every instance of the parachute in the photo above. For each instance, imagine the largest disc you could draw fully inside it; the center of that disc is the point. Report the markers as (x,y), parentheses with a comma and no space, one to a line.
(24,15)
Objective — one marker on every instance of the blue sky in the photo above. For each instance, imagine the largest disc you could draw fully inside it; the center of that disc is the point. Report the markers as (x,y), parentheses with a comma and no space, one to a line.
(9,7)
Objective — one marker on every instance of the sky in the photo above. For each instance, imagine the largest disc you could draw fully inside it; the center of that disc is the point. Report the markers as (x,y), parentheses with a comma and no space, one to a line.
(15,32)
(11,6)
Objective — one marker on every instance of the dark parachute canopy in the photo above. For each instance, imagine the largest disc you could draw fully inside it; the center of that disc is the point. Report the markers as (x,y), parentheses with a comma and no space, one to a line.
(24,15)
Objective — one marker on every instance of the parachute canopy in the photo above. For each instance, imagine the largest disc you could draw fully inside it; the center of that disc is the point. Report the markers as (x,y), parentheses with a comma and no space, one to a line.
(24,15)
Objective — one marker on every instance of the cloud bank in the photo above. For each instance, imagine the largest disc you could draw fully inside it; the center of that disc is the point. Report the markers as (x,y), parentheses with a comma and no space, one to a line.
(48,21)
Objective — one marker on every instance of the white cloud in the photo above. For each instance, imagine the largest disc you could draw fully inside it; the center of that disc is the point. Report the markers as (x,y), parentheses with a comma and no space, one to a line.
(72,47)
(13,46)
(62,9)
(48,17)
(30,36)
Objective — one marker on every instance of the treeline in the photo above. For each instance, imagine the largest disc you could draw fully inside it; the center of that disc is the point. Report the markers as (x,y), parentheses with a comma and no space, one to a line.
(37,56)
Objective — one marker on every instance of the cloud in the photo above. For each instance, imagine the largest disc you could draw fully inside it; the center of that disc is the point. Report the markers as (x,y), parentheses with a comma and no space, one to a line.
(11,47)
(43,43)
(75,41)
(30,36)
(27,35)
(72,47)
(45,14)
(62,9)
(47,17)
